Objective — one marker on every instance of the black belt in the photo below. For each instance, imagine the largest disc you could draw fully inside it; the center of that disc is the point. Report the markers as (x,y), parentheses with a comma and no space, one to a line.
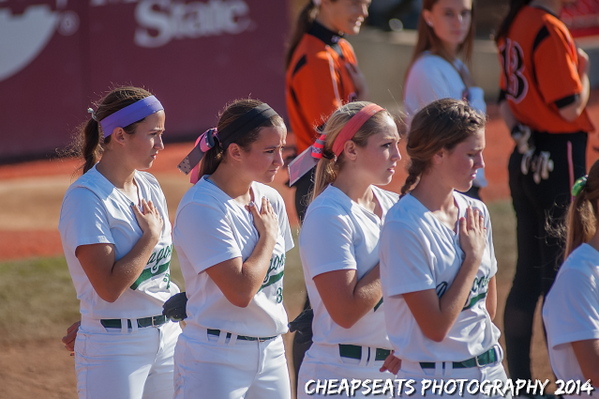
(152,321)
(241,337)
(488,357)
(355,352)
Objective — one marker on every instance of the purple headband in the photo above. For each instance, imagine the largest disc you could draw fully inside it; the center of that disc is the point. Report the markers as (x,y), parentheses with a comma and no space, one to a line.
(130,114)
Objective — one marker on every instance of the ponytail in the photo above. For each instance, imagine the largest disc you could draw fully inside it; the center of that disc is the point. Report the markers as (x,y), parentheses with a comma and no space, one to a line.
(581,220)
(304,24)
(504,27)
(415,170)
(91,149)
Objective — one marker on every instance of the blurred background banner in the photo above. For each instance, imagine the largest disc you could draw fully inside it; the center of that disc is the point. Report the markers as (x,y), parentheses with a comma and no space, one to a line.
(57,56)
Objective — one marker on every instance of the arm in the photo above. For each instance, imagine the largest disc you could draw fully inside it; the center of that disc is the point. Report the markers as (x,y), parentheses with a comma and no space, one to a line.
(587,354)
(240,281)
(346,298)
(491,301)
(573,111)
(435,316)
(507,115)
(110,279)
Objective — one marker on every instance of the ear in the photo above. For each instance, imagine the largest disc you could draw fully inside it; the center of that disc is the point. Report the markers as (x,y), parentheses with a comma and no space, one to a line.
(234,152)
(349,149)
(440,156)
(118,135)
(426,14)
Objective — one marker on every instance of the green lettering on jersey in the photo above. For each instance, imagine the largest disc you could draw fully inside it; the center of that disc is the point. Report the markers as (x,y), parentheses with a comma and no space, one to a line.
(149,273)
(475,299)
(272,280)
(378,304)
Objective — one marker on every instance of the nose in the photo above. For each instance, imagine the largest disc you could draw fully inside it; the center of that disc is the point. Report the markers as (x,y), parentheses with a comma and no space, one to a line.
(278,160)
(396,155)
(479,162)
(159,144)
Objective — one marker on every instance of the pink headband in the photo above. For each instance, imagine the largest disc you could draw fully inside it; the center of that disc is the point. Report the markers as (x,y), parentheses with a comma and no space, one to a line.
(310,157)
(130,114)
(354,124)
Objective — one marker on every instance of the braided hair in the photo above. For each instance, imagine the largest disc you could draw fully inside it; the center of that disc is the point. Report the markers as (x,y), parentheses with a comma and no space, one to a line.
(442,124)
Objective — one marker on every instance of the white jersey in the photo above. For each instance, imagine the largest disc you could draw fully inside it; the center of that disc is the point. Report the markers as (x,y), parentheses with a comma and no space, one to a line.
(210,228)
(94,211)
(571,311)
(432,78)
(339,234)
(419,253)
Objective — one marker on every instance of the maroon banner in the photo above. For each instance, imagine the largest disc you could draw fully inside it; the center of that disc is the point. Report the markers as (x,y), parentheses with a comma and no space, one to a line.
(56,57)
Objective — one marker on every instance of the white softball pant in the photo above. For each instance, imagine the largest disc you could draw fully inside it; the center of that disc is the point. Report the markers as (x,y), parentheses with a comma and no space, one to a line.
(447,379)
(220,367)
(324,373)
(128,363)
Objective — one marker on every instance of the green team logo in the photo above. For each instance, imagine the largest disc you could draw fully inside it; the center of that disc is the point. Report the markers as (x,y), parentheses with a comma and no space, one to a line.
(275,272)
(156,268)
(478,292)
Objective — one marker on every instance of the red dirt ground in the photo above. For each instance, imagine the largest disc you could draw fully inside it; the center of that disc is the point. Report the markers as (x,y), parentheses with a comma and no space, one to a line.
(31,194)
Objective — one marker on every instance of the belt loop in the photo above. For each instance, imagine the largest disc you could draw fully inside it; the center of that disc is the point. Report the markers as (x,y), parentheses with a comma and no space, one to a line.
(124,327)
(222,337)
(439,366)
(233,339)
(364,355)
(134,326)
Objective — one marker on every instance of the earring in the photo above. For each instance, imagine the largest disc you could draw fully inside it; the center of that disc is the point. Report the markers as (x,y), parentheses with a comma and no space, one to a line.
(429,23)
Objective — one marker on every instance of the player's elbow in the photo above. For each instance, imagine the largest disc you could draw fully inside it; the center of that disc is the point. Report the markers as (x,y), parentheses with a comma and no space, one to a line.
(436,334)
(344,318)
(109,295)
(240,299)
(572,111)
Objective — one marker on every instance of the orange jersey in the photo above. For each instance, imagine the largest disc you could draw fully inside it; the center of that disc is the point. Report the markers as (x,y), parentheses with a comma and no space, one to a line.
(317,82)
(539,63)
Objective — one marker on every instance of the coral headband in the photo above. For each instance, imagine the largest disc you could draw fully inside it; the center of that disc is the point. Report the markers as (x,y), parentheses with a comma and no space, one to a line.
(130,114)
(354,124)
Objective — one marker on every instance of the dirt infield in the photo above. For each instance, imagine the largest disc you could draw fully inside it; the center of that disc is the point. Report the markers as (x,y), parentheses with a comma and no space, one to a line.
(31,194)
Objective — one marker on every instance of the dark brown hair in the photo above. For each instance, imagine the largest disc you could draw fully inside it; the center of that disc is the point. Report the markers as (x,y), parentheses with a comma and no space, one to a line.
(89,140)
(443,124)
(303,25)
(232,112)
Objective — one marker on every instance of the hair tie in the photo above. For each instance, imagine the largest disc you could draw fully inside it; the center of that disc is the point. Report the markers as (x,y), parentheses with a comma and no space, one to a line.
(579,185)
(191,163)
(91,111)
(318,146)
(316,2)
(353,125)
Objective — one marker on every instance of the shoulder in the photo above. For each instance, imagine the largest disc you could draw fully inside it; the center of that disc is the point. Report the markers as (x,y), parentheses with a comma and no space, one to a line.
(467,201)
(148,178)
(407,211)
(388,198)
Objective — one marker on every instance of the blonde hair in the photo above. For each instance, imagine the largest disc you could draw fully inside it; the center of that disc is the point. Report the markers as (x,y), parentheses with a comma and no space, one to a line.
(329,166)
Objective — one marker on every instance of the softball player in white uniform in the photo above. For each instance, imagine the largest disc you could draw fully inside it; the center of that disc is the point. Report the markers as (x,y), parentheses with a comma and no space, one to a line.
(571,309)
(119,258)
(339,249)
(437,260)
(233,257)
